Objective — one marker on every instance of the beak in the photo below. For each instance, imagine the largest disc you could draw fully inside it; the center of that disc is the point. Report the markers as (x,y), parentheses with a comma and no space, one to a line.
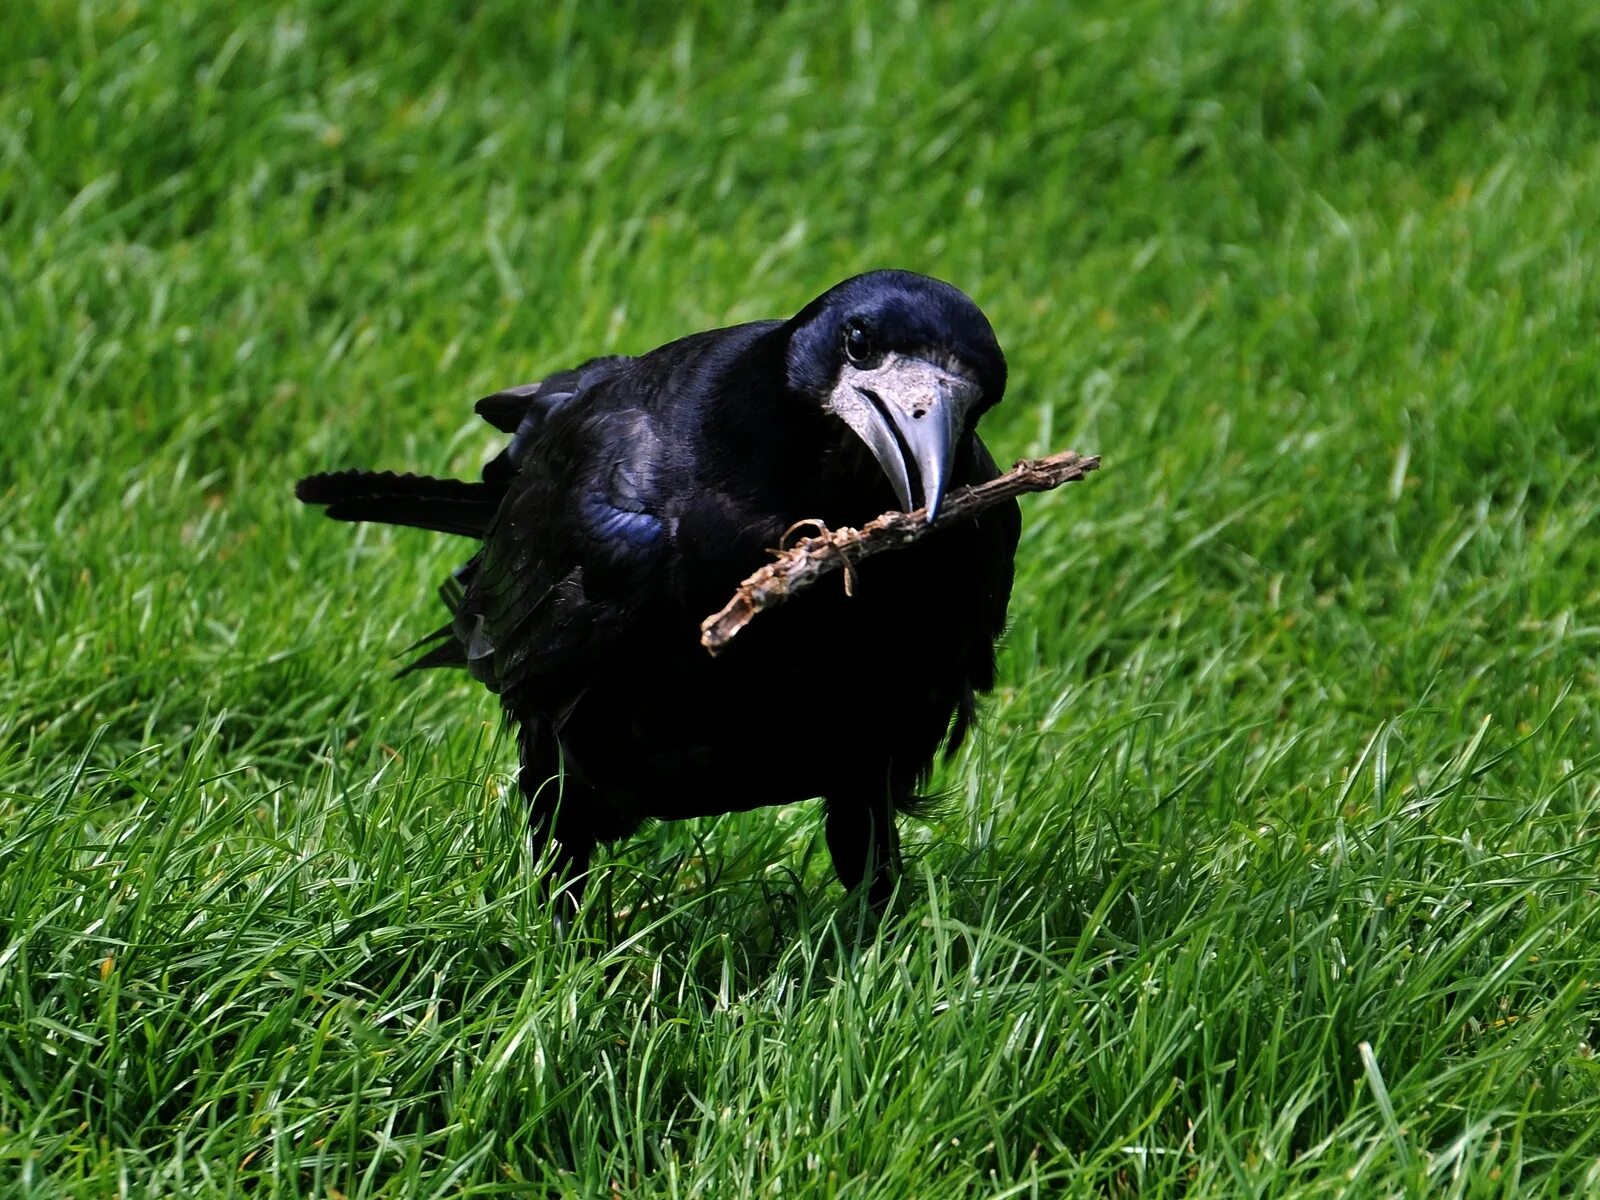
(910,413)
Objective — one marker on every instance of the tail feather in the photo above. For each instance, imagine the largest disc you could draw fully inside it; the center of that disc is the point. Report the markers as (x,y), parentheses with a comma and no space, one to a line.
(448,652)
(419,501)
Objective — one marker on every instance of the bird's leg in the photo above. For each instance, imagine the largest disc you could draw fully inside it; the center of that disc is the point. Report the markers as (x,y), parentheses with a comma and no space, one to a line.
(569,875)
(864,842)
(553,810)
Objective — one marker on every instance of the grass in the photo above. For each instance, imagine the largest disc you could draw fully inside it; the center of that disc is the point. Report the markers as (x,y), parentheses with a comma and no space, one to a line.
(1278,870)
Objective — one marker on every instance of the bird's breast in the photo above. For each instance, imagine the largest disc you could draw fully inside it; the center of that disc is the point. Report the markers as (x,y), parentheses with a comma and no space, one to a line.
(812,693)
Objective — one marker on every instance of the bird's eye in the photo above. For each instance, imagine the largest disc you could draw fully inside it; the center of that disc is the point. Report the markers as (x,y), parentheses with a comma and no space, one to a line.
(857,342)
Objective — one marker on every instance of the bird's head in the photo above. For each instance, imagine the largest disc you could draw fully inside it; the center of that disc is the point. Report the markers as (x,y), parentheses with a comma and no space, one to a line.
(908,363)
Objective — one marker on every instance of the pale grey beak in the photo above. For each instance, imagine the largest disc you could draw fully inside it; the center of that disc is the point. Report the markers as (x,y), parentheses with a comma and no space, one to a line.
(910,413)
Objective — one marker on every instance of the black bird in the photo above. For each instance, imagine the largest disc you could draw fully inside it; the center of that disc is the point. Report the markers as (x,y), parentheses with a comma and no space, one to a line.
(636,493)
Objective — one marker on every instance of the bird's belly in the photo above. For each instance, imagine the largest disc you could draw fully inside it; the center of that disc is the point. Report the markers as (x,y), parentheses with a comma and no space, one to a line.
(812,699)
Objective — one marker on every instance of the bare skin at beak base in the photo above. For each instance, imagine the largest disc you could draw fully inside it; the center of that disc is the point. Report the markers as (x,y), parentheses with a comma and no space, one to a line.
(910,413)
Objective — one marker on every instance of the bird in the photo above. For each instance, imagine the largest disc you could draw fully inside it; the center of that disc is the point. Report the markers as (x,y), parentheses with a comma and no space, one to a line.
(636,492)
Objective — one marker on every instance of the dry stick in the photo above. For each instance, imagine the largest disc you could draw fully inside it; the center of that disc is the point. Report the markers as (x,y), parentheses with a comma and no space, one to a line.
(809,559)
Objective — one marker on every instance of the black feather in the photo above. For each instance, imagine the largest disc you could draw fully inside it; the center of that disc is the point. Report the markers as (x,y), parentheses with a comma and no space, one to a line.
(418,501)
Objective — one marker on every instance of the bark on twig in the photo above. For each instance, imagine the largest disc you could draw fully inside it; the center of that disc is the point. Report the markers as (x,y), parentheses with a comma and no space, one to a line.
(808,560)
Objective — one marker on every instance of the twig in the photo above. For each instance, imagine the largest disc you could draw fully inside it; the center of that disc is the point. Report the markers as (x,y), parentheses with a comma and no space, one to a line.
(798,566)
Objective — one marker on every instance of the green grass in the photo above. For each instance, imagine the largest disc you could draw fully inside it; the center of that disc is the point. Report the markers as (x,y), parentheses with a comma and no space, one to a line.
(1278,870)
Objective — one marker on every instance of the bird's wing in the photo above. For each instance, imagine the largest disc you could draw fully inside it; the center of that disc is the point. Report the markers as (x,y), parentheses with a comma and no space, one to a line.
(526,409)
(574,562)
(998,530)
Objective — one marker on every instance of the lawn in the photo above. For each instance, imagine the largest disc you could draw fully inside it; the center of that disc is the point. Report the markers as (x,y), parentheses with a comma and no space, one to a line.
(1277,868)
